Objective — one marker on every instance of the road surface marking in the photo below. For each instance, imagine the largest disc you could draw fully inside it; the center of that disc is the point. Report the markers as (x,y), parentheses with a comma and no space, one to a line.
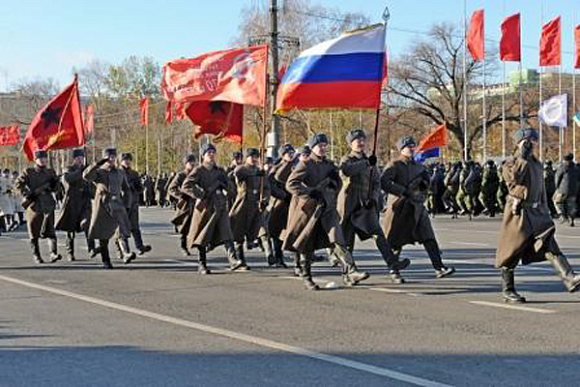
(353,364)
(514,307)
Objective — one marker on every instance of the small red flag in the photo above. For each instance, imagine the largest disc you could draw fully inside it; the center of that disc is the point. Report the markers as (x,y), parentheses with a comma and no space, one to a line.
(222,119)
(577,50)
(168,113)
(180,111)
(551,43)
(9,135)
(510,43)
(476,36)
(144,105)
(58,125)
(437,138)
(89,119)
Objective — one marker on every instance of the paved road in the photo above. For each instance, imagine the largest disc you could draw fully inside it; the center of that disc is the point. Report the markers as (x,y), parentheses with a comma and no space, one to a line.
(157,323)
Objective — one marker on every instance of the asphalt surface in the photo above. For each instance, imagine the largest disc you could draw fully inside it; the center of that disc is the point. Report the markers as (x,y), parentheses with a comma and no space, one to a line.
(156,322)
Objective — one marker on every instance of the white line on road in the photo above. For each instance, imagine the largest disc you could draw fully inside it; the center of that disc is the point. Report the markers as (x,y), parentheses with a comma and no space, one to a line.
(514,307)
(236,336)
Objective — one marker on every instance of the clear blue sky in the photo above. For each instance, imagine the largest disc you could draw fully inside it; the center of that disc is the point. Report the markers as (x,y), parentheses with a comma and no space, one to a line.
(46,38)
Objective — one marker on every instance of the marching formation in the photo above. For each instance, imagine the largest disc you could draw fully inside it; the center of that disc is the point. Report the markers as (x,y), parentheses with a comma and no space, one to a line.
(301,204)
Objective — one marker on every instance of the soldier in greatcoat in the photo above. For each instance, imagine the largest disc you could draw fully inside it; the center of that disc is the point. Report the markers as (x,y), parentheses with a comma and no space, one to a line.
(406,220)
(109,207)
(38,185)
(527,230)
(75,214)
(207,184)
(313,221)
(184,204)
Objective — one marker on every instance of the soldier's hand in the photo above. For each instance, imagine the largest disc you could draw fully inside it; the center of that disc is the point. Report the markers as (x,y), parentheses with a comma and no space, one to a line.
(373,160)
(516,206)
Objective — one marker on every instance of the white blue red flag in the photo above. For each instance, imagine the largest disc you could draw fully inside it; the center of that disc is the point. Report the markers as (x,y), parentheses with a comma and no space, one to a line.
(342,73)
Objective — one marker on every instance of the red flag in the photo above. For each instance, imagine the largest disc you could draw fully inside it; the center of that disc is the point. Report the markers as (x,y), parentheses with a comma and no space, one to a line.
(237,75)
(476,36)
(89,119)
(510,43)
(551,43)
(169,113)
(437,138)
(180,111)
(58,125)
(9,135)
(577,50)
(144,105)
(222,119)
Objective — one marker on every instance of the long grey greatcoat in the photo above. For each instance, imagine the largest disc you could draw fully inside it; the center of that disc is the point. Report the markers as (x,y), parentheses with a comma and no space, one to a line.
(210,223)
(246,217)
(76,206)
(132,202)
(37,185)
(280,198)
(354,216)
(109,209)
(406,219)
(312,225)
(526,236)
(184,208)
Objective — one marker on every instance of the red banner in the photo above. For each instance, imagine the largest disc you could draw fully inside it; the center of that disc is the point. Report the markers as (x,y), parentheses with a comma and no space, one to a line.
(144,106)
(510,43)
(437,138)
(551,43)
(180,111)
(58,125)
(169,113)
(577,49)
(219,118)
(9,135)
(476,36)
(237,75)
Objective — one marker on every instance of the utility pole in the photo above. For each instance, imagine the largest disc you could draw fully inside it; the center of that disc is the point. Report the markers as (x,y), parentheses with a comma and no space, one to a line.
(274,135)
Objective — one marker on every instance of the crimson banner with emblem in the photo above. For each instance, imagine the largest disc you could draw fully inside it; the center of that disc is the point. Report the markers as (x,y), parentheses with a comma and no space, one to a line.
(9,135)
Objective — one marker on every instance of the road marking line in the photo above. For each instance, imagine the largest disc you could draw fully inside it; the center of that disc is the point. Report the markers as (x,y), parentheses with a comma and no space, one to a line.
(380,371)
(514,307)
(471,244)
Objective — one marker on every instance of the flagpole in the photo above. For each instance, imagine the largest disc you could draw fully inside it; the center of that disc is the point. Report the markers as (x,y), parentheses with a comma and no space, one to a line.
(503,129)
(147,148)
(465,142)
(540,126)
(561,131)
(521,95)
(574,124)
(484,105)
(331,136)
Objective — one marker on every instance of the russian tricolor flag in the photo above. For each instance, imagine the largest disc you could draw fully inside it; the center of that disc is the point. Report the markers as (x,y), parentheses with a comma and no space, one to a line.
(346,72)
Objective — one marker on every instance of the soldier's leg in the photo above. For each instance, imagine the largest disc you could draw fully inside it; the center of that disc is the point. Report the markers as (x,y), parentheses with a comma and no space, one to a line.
(508,286)
(306,264)
(183,245)
(562,266)
(268,250)
(70,245)
(105,256)
(91,246)
(53,246)
(202,261)
(50,233)
(138,238)
(432,249)
(350,274)
(233,259)
(297,265)
(572,210)
(562,211)
(34,246)
(278,253)
(392,260)
(241,254)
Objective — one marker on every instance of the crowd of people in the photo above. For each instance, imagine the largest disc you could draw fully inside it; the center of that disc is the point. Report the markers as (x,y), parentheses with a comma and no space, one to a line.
(301,204)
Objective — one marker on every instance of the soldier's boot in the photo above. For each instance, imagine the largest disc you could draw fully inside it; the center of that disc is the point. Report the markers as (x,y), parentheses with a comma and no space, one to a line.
(297,265)
(138,238)
(3,224)
(36,251)
(202,262)
(128,256)
(21,218)
(13,223)
(560,263)
(118,248)
(394,275)
(233,260)
(93,250)
(53,246)
(105,256)
(268,250)
(562,213)
(70,246)
(350,274)
(183,246)
(279,253)
(241,257)
(306,265)
(391,259)
(334,262)
(508,287)
(432,249)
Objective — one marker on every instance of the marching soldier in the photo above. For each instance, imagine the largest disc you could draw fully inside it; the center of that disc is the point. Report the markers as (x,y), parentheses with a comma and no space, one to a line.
(17,199)
(76,206)
(207,184)
(527,230)
(37,185)
(185,203)
(7,219)
(489,187)
(136,190)
(237,160)
(406,220)
(109,213)
(359,198)
(247,212)
(502,192)
(567,187)
(452,188)
(313,221)
(550,184)
(160,189)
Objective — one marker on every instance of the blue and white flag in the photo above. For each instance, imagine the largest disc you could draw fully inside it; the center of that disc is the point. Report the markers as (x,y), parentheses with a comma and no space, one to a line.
(577,119)
(421,156)
(554,111)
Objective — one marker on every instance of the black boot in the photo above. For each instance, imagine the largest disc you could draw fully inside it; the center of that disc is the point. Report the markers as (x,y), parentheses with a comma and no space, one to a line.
(233,260)
(35,251)
(441,271)
(391,259)
(93,250)
(128,256)
(70,246)
(297,265)
(183,246)
(138,238)
(54,255)
(305,263)
(241,257)
(279,253)
(560,263)
(268,251)
(105,256)
(508,287)
(202,262)
(350,274)
(395,277)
